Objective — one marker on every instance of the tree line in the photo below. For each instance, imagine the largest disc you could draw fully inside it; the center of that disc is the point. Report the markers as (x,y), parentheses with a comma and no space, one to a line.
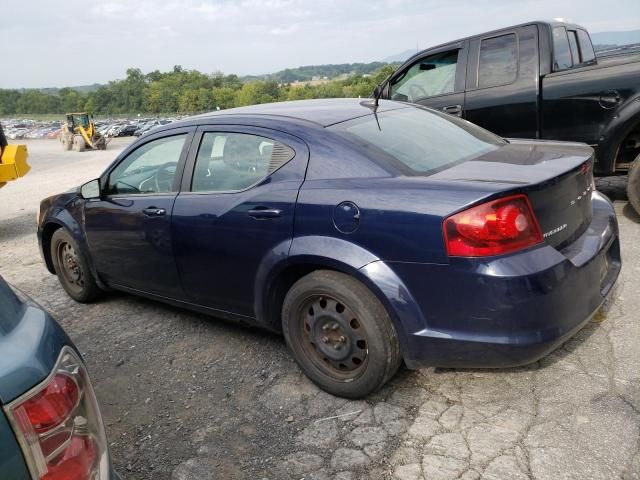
(181,91)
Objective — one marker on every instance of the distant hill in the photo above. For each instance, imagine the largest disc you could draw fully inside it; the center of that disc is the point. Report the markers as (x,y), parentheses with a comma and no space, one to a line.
(80,88)
(616,38)
(318,72)
(400,57)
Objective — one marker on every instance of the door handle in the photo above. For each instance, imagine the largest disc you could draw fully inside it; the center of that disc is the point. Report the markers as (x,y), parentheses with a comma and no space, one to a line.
(260,213)
(453,110)
(154,212)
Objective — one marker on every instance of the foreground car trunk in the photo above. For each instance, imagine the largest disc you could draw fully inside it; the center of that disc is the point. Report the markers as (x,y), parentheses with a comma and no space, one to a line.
(557,178)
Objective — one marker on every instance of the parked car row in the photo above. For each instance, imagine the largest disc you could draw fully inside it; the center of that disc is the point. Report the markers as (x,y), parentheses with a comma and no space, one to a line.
(16,129)
(128,128)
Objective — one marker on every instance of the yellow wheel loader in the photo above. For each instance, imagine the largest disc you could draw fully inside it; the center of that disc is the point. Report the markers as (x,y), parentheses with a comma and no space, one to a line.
(79,133)
(13,161)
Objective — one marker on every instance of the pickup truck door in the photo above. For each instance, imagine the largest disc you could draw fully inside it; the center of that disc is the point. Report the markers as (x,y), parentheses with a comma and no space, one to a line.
(435,79)
(503,81)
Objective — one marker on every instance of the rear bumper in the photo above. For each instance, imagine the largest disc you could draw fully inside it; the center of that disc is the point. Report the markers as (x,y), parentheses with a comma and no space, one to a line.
(512,310)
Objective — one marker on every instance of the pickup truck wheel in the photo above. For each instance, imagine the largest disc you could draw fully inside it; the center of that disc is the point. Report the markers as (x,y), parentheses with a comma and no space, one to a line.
(340,334)
(72,268)
(633,185)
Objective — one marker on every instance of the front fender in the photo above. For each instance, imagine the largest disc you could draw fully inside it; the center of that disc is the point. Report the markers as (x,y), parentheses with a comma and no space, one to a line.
(68,215)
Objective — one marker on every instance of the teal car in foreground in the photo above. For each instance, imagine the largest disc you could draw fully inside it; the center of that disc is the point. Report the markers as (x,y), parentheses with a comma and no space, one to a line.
(50,424)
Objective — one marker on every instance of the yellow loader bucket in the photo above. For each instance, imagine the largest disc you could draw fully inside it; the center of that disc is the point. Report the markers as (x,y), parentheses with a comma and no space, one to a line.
(13,163)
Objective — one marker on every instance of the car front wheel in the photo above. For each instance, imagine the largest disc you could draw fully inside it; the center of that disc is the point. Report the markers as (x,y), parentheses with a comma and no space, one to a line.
(72,268)
(340,334)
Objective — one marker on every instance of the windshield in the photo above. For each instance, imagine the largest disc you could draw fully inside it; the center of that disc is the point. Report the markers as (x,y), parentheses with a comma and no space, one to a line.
(418,141)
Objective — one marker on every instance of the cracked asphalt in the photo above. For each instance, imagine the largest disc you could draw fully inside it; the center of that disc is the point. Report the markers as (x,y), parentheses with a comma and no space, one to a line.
(188,397)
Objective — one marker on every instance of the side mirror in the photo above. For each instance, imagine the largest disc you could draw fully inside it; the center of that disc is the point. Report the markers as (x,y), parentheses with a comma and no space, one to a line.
(376,91)
(90,189)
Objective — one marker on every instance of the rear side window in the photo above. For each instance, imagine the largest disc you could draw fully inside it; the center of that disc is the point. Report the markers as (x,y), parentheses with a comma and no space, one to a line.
(498,61)
(229,162)
(586,47)
(417,141)
(573,46)
(561,50)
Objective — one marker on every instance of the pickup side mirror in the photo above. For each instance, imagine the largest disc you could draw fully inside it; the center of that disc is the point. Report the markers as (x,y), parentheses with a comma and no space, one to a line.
(90,190)
(377,91)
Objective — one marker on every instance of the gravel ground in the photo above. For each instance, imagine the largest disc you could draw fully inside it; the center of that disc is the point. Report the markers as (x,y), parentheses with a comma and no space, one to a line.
(185,396)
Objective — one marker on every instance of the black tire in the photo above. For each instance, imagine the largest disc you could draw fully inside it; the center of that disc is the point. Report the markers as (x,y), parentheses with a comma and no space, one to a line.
(78,143)
(72,268)
(633,185)
(67,141)
(340,334)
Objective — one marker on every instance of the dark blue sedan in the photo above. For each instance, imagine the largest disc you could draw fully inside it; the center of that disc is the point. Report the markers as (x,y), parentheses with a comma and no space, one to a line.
(367,236)
(50,424)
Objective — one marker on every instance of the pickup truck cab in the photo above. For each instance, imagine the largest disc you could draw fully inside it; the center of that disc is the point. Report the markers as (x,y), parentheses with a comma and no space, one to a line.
(538,80)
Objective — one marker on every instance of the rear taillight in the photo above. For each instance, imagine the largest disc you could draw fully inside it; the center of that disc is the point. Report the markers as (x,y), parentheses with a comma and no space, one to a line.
(58,425)
(493,228)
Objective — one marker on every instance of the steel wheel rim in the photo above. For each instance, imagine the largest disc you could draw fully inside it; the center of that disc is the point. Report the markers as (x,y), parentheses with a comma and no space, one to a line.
(70,266)
(333,337)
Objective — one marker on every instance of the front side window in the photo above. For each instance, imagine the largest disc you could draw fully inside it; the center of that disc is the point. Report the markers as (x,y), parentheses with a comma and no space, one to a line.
(498,61)
(235,161)
(417,141)
(148,169)
(561,50)
(430,76)
(586,47)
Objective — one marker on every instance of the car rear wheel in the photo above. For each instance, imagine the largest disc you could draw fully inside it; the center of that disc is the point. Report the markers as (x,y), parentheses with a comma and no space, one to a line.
(72,268)
(633,184)
(340,334)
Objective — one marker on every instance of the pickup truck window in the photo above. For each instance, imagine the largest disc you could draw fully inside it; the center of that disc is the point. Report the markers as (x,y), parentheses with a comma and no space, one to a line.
(428,77)
(573,45)
(561,50)
(498,61)
(586,47)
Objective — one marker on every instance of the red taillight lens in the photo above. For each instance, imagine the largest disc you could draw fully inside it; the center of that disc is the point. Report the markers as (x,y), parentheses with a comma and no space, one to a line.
(493,228)
(58,425)
(53,404)
(76,462)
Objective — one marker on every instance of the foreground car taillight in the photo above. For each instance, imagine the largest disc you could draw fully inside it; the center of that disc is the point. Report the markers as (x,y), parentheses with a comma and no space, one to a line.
(500,226)
(59,427)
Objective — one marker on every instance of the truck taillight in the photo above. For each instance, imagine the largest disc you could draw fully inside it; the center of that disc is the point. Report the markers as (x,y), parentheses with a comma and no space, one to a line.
(493,228)
(59,427)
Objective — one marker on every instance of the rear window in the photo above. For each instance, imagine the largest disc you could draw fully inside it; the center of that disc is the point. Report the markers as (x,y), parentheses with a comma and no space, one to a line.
(561,50)
(498,61)
(588,55)
(418,141)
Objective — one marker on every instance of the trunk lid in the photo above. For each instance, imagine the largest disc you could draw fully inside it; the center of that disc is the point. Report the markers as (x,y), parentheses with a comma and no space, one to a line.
(556,177)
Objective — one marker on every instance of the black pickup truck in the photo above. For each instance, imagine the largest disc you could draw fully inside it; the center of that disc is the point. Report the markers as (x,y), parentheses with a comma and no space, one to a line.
(535,80)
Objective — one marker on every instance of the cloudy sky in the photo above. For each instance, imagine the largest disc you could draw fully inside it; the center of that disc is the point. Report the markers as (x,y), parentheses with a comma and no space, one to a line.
(73,42)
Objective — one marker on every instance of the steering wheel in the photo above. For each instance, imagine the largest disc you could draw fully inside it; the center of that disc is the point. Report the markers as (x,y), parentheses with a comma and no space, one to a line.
(416,91)
(163,178)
